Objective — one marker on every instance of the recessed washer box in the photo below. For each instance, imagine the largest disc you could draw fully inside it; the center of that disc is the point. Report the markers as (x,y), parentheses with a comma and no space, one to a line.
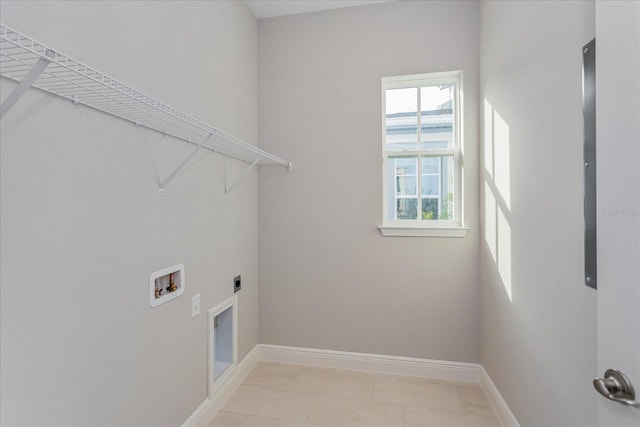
(166,284)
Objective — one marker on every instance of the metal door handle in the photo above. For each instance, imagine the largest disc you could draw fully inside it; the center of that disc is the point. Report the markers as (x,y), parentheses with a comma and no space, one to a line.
(616,386)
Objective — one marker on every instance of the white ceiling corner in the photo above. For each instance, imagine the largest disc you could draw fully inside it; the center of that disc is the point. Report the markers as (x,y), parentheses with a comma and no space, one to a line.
(272,8)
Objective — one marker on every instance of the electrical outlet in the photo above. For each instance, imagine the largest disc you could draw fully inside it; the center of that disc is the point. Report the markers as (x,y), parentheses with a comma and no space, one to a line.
(195,305)
(237,283)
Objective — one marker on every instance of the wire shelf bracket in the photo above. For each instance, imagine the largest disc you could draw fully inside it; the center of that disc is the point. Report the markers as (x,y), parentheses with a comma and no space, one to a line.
(245,174)
(24,84)
(33,64)
(181,165)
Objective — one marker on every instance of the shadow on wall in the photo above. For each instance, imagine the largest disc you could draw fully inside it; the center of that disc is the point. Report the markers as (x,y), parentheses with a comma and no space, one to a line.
(497,189)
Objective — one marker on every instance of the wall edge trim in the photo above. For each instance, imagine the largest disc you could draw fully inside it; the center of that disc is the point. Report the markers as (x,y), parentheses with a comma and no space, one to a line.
(500,407)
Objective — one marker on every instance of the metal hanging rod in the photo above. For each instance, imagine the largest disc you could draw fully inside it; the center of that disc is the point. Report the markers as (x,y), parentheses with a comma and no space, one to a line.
(32,63)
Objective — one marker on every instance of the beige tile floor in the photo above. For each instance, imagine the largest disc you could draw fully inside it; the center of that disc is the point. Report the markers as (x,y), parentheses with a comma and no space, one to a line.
(279,395)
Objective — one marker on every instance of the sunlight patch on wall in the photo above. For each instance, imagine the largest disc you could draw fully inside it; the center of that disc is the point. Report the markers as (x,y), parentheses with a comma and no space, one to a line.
(504,252)
(490,219)
(497,193)
(488,138)
(502,160)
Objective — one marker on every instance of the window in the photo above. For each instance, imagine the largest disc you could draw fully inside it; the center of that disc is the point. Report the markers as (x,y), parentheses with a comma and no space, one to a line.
(421,152)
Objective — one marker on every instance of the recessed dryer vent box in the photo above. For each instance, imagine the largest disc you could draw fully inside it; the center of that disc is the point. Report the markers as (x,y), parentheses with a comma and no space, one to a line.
(166,284)
(223,343)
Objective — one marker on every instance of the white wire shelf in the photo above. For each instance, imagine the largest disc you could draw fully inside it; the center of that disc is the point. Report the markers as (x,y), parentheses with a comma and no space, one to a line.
(34,64)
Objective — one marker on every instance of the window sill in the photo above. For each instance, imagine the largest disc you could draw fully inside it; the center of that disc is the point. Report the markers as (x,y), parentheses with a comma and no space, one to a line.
(416,231)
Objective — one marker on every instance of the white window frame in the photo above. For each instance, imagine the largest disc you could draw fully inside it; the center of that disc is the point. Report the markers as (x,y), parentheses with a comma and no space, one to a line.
(421,227)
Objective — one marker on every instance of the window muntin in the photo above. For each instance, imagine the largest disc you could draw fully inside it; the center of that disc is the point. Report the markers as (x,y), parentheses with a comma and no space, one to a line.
(421,150)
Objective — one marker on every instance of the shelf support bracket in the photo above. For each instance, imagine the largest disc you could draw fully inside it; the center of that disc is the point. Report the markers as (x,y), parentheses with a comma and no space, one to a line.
(181,165)
(24,84)
(228,189)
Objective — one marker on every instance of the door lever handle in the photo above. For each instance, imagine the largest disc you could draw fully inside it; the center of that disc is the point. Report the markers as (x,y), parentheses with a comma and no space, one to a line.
(616,386)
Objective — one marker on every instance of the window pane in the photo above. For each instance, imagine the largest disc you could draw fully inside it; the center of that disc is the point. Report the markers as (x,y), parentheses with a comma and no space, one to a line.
(406,185)
(439,97)
(431,164)
(401,119)
(402,187)
(437,187)
(406,177)
(405,165)
(430,208)
(436,114)
(430,185)
(406,208)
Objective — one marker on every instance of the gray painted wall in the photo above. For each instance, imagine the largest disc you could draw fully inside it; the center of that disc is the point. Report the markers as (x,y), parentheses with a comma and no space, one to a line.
(83,225)
(328,279)
(538,319)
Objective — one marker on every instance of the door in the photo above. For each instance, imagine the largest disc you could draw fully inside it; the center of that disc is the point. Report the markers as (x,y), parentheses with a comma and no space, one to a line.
(618,199)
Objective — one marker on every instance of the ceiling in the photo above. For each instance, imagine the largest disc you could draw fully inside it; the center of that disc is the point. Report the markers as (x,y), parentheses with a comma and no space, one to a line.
(271,8)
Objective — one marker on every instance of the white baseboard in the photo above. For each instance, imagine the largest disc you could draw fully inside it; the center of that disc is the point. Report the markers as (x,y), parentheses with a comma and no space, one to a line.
(436,369)
(500,407)
(426,368)
(210,407)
